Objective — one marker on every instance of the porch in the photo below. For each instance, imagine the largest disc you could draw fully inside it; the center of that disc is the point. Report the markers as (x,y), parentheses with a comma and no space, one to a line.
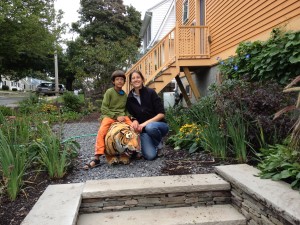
(171,57)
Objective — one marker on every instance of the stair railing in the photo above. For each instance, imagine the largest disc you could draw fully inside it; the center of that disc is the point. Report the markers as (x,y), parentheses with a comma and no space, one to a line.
(182,42)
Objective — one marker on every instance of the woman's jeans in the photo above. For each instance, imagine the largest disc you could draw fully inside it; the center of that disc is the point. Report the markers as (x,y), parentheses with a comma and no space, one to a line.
(151,137)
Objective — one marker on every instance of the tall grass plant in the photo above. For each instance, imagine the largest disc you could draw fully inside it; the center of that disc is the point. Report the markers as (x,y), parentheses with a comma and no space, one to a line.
(13,164)
(236,129)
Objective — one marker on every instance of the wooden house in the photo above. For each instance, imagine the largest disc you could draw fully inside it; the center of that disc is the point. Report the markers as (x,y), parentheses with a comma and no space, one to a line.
(205,30)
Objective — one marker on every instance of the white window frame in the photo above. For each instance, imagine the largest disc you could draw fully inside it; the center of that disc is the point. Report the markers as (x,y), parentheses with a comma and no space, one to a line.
(185,11)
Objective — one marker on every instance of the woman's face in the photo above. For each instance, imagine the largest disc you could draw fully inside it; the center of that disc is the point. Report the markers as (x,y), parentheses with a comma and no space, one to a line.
(136,80)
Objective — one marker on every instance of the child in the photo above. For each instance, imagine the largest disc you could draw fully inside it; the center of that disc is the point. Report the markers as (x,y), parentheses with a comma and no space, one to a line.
(112,110)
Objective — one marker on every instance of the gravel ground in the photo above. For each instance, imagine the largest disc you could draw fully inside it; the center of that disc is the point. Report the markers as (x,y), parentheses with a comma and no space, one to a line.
(137,168)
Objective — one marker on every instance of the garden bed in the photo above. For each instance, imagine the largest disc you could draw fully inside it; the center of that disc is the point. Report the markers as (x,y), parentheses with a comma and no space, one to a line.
(172,163)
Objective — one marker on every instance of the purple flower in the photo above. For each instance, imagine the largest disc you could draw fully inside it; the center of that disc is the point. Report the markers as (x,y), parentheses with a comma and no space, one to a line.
(235,67)
(222,62)
(247,56)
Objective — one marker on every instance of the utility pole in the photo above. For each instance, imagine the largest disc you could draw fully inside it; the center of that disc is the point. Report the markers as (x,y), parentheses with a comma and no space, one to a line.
(55,52)
(56,73)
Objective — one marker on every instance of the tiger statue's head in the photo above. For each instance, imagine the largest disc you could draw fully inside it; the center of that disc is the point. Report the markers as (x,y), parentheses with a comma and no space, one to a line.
(121,140)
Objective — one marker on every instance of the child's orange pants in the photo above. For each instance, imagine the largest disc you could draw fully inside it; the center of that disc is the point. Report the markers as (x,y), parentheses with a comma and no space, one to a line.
(100,140)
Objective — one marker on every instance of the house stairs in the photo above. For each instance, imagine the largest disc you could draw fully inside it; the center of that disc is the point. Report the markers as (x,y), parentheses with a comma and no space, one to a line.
(234,195)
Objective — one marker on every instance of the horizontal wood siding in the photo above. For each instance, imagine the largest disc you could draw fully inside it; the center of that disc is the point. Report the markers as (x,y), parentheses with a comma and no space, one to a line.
(232,22)
(179,11)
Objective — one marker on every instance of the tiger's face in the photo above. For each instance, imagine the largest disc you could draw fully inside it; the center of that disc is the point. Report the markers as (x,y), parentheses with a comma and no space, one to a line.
(121,138)
(127,139)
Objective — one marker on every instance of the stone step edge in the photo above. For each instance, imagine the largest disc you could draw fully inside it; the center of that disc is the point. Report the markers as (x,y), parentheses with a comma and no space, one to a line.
(59,204)
(276,195)
(154,185)
(217,214)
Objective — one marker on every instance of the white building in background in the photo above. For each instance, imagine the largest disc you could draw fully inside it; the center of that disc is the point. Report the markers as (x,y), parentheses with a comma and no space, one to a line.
(26,84)
(158,21)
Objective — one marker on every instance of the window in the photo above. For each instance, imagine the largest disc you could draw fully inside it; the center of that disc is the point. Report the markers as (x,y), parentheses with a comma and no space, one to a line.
(185,14)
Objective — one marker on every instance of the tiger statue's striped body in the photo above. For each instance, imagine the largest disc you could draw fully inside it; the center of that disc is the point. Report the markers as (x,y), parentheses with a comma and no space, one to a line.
(120,142)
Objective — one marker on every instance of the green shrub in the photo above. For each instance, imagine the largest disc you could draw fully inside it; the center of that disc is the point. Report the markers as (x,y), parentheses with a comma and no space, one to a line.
(257,103)
(276,59)
(176,117)
(280,162)
(72,101)
(188,137)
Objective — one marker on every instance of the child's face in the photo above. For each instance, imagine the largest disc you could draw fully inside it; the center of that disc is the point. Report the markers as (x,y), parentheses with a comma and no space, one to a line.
(119,82)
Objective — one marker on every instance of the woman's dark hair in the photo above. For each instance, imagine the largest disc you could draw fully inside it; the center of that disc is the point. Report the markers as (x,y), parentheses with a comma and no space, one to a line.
(138,72)
(118,73)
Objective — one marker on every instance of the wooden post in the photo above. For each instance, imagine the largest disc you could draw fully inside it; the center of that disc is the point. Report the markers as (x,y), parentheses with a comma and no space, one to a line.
(183,91)
(191,82)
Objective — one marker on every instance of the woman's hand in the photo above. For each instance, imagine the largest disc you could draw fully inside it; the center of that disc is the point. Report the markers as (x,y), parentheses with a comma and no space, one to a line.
(135,125)
(141,126)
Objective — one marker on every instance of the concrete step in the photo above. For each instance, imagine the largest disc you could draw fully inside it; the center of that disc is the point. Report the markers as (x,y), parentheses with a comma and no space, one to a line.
(153,185)
(204,215)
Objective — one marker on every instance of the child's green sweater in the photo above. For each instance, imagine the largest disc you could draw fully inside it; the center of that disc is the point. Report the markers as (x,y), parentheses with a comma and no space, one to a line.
(113,104)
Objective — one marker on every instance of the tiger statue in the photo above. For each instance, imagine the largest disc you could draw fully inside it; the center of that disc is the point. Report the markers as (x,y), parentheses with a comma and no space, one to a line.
(121,141)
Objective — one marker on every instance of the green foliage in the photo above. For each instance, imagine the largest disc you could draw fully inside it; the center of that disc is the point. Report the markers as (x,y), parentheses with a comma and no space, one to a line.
(176,118)
(188,137)
(237,129)
(13,164)
(53,155)
(256,103)
(103,45)
(6,111)
(27,142)
(280,162)
(72,101)
(275,59)
(25,37)
(214,138)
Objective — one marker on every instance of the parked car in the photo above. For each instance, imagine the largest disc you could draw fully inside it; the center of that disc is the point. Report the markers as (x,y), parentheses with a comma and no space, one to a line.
(49,88)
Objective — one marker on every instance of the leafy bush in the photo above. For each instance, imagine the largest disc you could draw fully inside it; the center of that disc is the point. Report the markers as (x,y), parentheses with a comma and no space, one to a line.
(276,59)
(72,101)
(176,118)
(279,162)
(257,103)
(188,137)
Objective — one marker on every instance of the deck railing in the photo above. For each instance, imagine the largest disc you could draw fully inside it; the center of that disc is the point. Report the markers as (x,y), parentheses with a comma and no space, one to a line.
(182,42)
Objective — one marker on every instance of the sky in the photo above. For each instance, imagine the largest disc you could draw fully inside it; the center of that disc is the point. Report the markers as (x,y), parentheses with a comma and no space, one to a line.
(70,8)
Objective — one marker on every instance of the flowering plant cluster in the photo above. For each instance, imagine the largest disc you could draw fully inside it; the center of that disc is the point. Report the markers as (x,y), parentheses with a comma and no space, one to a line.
(48,108)
(189,135)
